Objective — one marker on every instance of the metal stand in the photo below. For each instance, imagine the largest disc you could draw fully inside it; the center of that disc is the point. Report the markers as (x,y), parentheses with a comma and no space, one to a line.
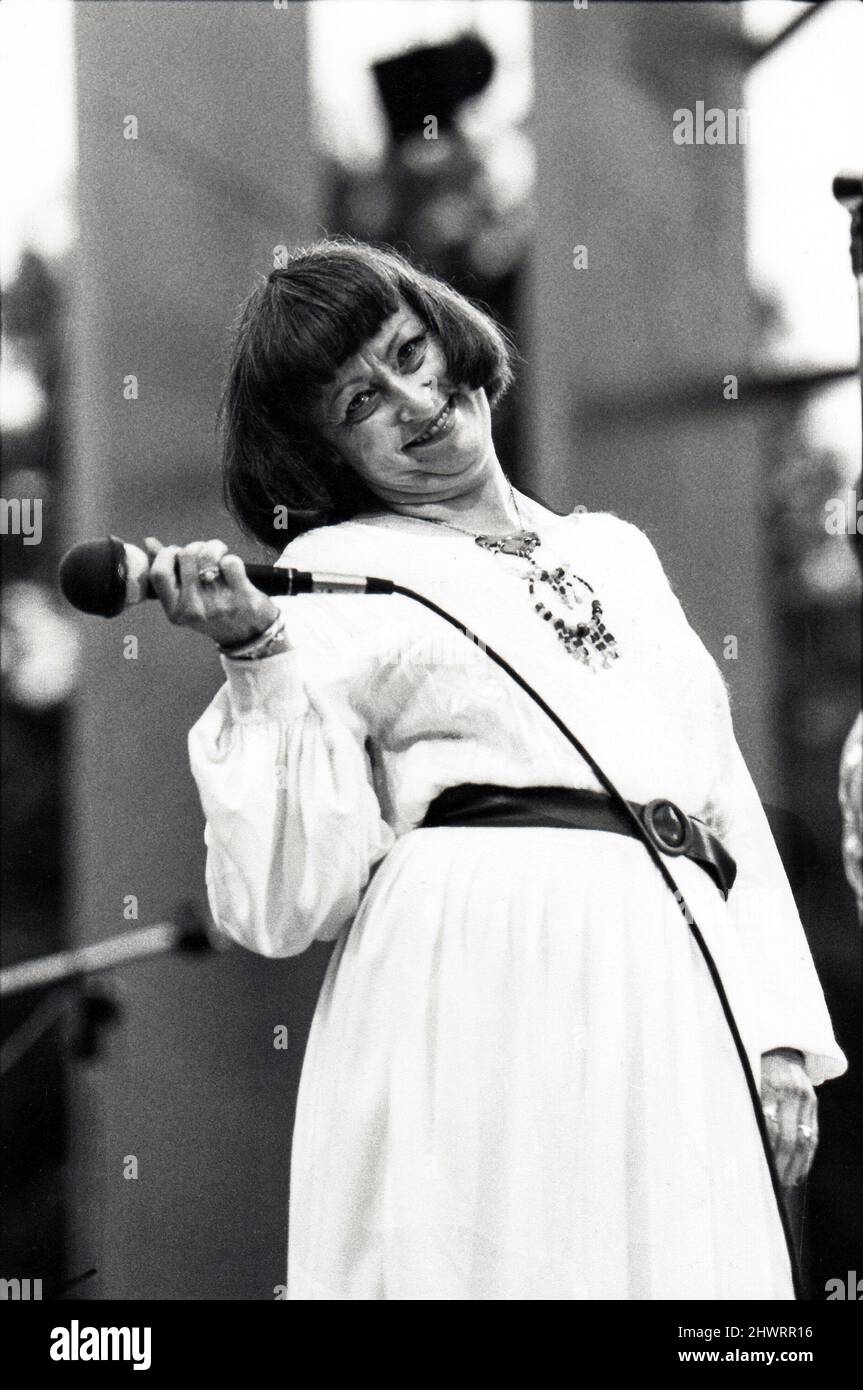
(848,190)
(191,933)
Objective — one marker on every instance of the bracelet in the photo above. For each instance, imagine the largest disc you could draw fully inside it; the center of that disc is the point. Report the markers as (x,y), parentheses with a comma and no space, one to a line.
(259,646)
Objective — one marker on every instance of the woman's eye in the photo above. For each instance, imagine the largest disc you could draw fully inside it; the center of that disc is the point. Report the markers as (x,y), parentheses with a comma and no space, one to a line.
(356,404)
(412,350)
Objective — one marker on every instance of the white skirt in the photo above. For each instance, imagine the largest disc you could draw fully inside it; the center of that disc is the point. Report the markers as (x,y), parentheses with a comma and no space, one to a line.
(519,1084)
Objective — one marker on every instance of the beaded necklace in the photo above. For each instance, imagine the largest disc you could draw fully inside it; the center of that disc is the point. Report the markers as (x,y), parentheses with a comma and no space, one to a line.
(587,639)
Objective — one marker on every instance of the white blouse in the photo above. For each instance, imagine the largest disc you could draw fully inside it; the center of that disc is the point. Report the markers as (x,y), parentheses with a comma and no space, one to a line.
(311,764)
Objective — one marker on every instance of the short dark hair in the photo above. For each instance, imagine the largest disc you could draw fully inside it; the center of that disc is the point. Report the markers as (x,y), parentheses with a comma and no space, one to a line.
(295,330)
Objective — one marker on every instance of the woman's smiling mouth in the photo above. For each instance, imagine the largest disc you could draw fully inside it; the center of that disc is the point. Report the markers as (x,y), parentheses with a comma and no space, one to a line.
(440,425)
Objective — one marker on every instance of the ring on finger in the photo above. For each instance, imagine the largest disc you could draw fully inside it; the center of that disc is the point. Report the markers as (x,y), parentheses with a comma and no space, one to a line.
(806,1132)
(209,574)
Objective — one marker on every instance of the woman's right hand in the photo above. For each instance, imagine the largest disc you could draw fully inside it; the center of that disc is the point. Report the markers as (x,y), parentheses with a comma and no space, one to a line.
(223,605)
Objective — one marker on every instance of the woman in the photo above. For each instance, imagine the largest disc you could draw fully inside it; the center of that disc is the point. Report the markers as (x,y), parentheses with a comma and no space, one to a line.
(519,1083)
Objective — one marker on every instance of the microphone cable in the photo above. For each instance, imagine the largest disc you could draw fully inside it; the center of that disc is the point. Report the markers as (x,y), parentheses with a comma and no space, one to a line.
(659,861)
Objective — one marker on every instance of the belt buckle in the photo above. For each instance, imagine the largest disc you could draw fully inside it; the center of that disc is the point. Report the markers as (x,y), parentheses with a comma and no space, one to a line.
(678,836)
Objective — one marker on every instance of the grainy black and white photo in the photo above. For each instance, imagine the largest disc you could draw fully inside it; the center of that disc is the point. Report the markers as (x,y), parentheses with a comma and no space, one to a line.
(431,611)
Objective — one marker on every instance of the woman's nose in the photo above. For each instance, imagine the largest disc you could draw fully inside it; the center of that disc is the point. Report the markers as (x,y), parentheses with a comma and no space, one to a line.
(414,397)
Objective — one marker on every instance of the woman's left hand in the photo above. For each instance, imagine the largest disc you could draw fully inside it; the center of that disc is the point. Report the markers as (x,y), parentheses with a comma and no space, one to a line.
(791,1110)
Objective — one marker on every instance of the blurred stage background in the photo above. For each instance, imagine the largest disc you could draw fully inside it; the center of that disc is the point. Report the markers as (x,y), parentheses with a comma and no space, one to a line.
(127,247)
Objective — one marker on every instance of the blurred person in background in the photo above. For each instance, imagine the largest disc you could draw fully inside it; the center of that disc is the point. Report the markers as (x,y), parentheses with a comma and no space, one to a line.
(851,771)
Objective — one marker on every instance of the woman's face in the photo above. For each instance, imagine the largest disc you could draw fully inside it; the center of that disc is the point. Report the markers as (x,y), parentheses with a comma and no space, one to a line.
(393,415)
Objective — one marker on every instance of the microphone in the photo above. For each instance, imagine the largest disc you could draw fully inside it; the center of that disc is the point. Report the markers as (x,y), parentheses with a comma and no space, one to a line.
(105,577)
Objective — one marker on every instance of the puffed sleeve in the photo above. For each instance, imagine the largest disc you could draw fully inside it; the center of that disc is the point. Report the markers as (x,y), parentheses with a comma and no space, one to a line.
(791,1010)
(293,825)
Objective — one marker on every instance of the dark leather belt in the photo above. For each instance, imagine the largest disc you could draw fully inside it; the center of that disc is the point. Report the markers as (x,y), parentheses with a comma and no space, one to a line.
(669,828)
